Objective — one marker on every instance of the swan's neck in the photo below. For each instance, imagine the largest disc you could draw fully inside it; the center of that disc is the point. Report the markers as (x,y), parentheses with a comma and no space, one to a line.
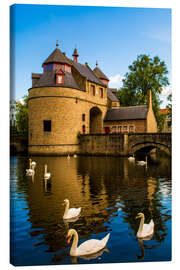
(141,225)
(66,209)
(30,164)
(45,170)
(74,244)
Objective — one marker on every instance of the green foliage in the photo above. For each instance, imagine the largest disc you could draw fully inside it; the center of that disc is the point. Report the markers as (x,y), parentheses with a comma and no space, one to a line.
(21,108)
(161,122)
(169,106)
(145,73)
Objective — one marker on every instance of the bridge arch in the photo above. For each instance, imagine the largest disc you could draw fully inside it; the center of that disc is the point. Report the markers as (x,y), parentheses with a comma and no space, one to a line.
(136,147)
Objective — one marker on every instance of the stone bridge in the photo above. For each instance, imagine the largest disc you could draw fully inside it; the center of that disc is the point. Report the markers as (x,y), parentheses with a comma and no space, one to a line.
(139,141)
(18,144)
(124,144)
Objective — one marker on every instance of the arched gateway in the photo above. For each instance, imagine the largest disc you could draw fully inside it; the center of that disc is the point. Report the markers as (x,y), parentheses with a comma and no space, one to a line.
(96,121)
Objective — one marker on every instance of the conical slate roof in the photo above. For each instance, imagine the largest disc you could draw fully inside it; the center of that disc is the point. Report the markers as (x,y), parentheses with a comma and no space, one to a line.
(100,74)
(57,56)
(75,53)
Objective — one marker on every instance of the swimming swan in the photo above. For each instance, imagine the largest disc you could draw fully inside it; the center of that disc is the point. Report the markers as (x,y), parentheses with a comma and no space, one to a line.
(131,158)
(30,171)
(144,229)
(88,247)
(47,175)
(72,212)
(142,162)
(33,164)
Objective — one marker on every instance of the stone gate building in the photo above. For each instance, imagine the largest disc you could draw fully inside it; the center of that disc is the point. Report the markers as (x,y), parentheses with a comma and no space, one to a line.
(69,98)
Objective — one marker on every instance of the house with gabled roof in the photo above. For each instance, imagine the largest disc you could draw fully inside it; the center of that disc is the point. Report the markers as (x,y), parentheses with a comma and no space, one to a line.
(69,98)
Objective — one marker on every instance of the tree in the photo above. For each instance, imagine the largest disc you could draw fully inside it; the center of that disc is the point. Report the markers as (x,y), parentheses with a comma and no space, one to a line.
(145,73)
(21,108)
(169,106)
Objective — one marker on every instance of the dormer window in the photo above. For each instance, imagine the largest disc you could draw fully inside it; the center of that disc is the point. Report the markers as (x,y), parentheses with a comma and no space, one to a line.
(60,77)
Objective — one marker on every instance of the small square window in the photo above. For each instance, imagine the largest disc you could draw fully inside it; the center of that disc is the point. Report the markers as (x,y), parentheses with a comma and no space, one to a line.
(47,125)
(131,128)
(125,128)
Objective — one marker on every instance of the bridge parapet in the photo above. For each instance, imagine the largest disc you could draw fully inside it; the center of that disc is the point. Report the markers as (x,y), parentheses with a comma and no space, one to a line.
(123,144)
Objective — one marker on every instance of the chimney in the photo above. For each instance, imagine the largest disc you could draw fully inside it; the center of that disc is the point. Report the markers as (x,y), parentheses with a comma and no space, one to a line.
(149,99)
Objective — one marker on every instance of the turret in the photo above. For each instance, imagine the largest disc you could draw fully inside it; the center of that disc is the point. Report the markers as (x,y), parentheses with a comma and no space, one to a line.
(75,55)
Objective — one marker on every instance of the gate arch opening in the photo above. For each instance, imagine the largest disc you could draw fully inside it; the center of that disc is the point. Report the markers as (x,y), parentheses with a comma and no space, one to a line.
(95,120)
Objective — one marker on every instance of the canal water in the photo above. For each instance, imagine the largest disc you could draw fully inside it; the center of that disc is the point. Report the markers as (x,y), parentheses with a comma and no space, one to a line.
(110,190)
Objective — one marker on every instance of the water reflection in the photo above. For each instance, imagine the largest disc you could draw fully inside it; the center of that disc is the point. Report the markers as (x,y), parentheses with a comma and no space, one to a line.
(108,190)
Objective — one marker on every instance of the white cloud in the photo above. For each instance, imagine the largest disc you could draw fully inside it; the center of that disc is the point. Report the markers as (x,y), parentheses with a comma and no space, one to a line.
(166,91)
(115,81)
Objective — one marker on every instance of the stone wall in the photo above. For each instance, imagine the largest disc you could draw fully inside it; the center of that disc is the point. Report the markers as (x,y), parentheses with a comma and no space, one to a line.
(102,144)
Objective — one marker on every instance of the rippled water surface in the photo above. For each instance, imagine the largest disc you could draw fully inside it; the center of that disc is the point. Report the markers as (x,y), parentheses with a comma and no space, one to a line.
(110,190)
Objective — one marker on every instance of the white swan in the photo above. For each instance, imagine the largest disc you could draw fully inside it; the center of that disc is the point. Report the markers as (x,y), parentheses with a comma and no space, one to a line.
(142,162)
(33,164)
(68,157)
(75,156)
(72,212)
(88,247)
(30,171)
(131,158)
(144,229)
(47,175)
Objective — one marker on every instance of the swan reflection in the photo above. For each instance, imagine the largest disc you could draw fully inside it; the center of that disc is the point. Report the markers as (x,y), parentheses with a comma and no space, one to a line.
(141,244)
(89,257)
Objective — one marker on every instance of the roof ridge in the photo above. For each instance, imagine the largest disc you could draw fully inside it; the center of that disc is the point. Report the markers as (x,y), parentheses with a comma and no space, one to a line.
(86,64)
(101,73)
(134,106)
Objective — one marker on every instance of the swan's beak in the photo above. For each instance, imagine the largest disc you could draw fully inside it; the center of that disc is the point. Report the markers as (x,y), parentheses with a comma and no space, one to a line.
(68,239)
(137,217)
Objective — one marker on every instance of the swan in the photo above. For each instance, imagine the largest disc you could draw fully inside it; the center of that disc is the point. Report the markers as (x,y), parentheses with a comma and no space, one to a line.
(30,171)
(75,156)
(86,248)
(72,212)
(144,229)
(142,162)
(33,164)
(131,158)
(68,157)
(47,175)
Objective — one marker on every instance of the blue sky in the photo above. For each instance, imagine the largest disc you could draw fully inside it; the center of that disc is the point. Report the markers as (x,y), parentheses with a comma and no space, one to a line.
(112,36)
